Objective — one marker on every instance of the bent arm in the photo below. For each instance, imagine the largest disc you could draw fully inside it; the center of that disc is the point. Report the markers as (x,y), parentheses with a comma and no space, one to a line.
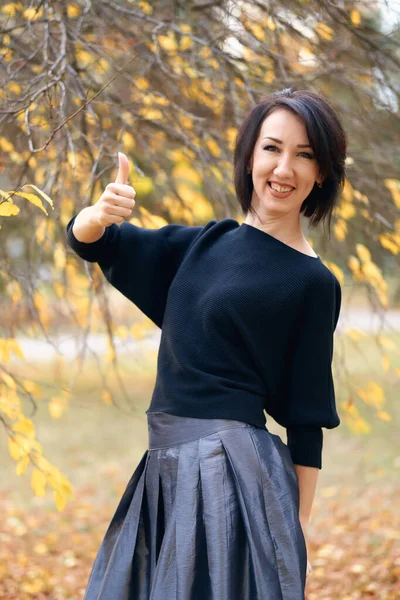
(84,229)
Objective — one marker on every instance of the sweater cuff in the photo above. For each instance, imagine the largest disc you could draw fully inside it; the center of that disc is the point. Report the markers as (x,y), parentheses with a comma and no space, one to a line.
(305,445)
(93,251)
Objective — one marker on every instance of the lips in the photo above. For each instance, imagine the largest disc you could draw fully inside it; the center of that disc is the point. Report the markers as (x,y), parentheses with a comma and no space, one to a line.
(282,184)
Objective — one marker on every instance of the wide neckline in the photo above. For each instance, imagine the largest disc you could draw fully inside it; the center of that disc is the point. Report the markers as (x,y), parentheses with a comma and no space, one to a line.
(271,237)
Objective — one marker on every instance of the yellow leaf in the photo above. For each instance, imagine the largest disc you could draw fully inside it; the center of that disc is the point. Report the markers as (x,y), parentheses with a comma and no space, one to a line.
(146,8)
(168,42)
(185,43)
(8,209)
(60,258)
(186,121)
(205,52)
(41,549)
(106,397)
(161,101)
(185,27)
(385,363)
(128,141)
(60,499)
(270,24)
(40,193)
(11,8)
(6,145)
(143,185)
(355,17)
(387,342)
(372,394)
(73,10)
(16,348)
(10,405)
(32,13)
(122,332)
(14,449)
(383,415)
(139,330)
(363,253)
(8,380)
(355,334)
(142,83)
(360,426)
(5,353)
(347,192)
(13,289)
(22,465)
(38,483)
(269,76)
(213,147)
(393,185)
(340,229)
(31,198)
(346,210)
(390,241)
(324,31)
(57,406)
(185,172)
(25,427)
(258,31)
(152,114)
(32,388)
(230,135)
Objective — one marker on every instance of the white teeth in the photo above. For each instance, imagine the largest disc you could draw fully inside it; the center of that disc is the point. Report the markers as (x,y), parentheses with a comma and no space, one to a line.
(278,188)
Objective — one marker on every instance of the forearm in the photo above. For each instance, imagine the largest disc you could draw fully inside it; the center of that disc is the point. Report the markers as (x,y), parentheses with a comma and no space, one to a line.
(308,479)
(84,229)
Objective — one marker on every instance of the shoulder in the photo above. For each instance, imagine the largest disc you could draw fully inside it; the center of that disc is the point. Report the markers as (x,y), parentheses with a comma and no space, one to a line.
(319,278)
(322,293)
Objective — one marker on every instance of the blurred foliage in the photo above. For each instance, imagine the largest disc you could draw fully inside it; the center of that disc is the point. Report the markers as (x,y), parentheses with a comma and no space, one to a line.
(169,84)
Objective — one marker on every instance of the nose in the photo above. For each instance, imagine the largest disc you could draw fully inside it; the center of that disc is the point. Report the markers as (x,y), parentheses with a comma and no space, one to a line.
(283,168)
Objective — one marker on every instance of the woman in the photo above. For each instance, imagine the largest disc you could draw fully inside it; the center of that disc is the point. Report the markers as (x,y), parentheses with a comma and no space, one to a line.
(218,506)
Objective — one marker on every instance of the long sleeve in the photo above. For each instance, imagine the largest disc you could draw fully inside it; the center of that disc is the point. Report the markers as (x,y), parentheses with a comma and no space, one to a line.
(310,394)
(140,263)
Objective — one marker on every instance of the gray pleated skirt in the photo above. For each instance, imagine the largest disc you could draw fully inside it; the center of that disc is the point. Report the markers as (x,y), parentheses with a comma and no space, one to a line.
(210,513)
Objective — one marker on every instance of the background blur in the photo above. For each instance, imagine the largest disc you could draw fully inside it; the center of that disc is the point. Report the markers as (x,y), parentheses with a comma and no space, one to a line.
(168,84)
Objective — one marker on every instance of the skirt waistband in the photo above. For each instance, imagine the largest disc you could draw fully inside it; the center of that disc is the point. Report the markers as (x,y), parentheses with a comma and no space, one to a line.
(169,430)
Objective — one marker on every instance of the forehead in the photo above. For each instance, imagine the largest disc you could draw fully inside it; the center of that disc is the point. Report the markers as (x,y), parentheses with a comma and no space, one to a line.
(284,125)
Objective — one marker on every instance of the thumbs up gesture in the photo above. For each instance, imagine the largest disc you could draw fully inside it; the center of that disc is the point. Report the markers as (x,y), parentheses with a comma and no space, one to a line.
(118,199)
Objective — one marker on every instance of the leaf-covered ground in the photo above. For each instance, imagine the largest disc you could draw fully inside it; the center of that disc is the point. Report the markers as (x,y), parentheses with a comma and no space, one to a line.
(354,540)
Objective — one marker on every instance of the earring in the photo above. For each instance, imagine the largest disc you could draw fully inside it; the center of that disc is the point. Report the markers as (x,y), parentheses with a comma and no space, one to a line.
(319,184)
(248,170)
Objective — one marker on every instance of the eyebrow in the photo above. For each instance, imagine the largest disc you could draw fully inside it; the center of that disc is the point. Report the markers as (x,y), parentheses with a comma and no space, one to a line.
(280,142)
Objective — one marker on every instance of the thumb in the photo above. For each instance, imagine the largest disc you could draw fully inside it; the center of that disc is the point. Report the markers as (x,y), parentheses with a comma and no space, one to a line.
(123,169)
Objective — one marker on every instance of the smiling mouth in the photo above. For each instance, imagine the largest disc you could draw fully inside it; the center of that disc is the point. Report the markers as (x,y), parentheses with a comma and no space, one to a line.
(282,189)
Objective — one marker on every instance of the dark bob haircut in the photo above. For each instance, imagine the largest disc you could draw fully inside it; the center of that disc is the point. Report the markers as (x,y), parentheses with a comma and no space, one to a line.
(327,139)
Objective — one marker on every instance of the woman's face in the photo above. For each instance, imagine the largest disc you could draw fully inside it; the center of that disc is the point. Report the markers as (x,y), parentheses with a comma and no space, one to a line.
(279,162)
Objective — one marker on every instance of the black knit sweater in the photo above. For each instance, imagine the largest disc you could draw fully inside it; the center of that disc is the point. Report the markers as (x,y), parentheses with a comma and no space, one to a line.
(247,323)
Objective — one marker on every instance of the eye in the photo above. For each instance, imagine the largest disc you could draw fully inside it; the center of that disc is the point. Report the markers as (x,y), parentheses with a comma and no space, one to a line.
(306,154)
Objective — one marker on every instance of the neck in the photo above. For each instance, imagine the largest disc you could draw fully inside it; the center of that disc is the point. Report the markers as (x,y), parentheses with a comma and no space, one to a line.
(288,233)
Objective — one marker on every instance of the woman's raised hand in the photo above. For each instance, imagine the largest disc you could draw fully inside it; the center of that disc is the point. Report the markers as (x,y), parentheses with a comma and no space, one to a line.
(118,199)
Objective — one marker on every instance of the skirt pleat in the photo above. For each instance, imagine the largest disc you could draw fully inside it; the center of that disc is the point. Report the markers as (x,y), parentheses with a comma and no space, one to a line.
(210,513)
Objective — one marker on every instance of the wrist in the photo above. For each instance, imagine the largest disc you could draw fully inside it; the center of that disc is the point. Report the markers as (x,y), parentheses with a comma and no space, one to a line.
(86,228)
(304,520)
